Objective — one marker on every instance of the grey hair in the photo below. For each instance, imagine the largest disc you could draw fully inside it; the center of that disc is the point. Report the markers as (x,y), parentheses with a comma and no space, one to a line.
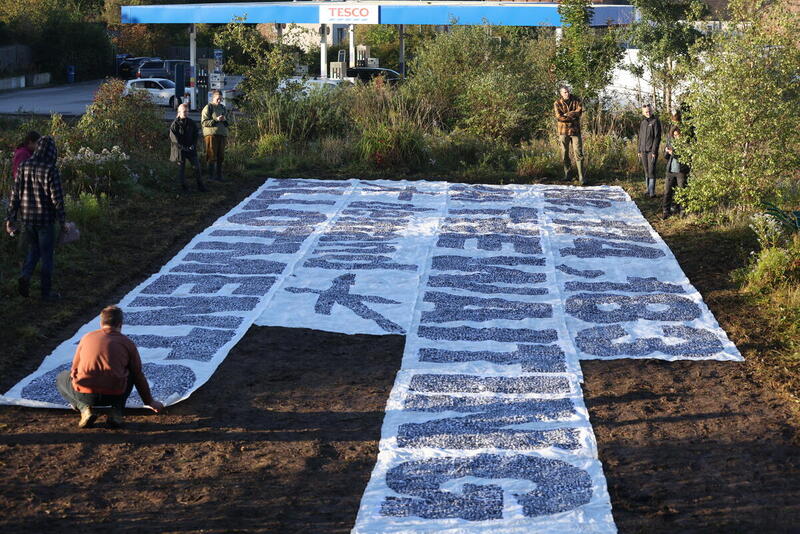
(567,87)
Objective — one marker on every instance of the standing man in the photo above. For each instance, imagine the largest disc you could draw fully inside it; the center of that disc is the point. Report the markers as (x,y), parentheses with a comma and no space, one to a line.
(104,370)
(183,136)
(649,140)
(568,111)
(37,202)
(215,129)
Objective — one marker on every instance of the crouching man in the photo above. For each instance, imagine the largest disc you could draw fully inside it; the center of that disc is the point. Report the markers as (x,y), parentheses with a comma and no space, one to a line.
(104,370)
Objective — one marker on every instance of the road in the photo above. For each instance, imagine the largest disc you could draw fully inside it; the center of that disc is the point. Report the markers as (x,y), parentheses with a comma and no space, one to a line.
(68,100)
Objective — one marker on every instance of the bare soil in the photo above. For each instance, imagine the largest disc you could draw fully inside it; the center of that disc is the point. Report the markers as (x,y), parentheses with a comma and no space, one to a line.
(281,439)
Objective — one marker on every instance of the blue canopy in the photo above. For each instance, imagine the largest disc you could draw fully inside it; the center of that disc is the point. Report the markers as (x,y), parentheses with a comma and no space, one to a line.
(422,12)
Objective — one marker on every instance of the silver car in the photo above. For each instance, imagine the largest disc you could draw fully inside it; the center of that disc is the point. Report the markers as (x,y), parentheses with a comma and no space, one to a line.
(160,90)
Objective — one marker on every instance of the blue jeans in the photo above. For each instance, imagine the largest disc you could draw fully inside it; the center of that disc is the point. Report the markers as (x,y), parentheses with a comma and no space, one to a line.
(81,400)
(40,243)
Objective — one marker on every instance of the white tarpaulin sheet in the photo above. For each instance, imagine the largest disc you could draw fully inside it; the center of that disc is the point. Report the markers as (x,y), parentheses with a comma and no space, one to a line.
(499,290)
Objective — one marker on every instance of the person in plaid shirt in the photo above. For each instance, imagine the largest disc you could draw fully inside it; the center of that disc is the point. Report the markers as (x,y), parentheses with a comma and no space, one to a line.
(37,202)
(568,111)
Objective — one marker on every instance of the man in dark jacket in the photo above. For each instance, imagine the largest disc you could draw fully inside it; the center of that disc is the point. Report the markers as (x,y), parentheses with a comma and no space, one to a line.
(183,135)
(37,202)
(649,141)
(677,173)
(568,111)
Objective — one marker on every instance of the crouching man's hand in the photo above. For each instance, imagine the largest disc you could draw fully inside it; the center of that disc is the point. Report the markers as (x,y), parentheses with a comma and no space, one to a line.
(155,406)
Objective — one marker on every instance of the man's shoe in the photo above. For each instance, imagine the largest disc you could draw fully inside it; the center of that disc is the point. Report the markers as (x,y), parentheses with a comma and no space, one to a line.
(87,417)
(115,420)
(24,287)
(665,215)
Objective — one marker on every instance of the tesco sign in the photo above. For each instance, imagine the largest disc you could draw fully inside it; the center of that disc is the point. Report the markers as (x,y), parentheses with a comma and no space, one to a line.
(344,13)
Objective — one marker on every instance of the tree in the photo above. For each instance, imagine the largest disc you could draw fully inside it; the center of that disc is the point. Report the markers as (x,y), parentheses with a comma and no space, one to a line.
(491,87)
(585,57)
(59,35)
(744,102)
(664,34)
(249,53)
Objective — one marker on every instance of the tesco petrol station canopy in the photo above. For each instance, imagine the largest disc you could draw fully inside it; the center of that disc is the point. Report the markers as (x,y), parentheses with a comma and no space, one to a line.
(331,12)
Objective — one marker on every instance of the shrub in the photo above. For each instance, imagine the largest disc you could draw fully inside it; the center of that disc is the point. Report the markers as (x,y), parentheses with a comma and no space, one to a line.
(298,117)
(270,143)
(96,173)
(610,153)
(5,178)
(768,230)
(455,150)
(493,107)
(744,92)
(394,143)
(774,267)
(473,68)
(539,158)
(131,122)
(87,210)
(333,151)
(535,166)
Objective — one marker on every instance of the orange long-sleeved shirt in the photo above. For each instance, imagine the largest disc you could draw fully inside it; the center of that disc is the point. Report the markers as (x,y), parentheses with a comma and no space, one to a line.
(104,362)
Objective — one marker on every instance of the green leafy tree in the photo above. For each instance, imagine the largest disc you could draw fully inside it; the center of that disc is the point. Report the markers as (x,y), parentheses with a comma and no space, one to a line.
(59,34)
(249,53)
(492,87)
(586,56)
(744,102)
(664,34)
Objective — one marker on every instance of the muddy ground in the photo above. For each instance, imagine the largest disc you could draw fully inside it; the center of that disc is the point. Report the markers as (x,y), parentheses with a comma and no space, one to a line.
(281,439)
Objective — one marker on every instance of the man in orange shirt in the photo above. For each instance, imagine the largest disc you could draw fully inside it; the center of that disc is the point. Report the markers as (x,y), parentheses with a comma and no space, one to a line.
(104,370)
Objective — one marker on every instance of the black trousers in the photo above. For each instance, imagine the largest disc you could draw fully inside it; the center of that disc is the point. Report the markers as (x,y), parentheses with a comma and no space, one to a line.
(191,158)
(673,180)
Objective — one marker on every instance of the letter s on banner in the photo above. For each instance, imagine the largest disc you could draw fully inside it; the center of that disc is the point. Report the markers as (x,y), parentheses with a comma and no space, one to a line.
(349,14)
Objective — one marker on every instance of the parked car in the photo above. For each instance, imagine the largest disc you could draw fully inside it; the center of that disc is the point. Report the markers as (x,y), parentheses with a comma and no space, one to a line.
(129,67)
(365,74)
(160,90)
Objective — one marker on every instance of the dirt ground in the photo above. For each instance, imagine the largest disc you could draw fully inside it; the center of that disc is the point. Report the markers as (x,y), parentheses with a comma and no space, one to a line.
(283,437)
